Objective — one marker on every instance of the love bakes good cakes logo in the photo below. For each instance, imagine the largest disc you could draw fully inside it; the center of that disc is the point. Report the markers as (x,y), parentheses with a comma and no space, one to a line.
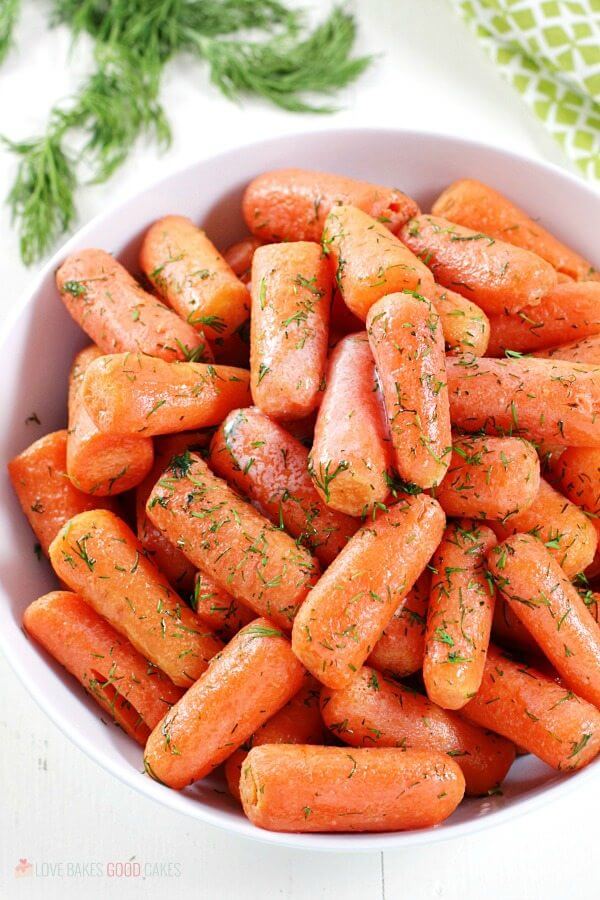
(131,868)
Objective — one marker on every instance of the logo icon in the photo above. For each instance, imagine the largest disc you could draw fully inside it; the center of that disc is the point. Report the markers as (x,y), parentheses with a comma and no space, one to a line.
(23,868)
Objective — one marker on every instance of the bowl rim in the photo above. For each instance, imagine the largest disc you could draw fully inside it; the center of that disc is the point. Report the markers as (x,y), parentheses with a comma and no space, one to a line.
(345,842)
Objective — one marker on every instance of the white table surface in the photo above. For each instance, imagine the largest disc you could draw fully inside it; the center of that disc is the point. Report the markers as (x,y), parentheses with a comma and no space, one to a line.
(56,806)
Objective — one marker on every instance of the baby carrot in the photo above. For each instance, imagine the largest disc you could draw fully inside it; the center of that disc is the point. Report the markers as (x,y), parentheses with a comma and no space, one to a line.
(465,326)
(168,557)
(98,556)
(118,315)
(476,205)
(560,525)
(44,490)
(287,787)
(345,613)
(401,647)
(489,477)
(246,684)
(292,204)
(542,597)
(351,457)
(269,466)
(221,612)
(298,722)
(239,257)
(459,618)
(229,540)
(568,312)
(493,274)
(129,393)
(376,711)
(369,262)
(190,274)
(586,350)
(509,631)
(408,346)
(98,463)
(291,299)
(127,686)
(540,399)
(531,709)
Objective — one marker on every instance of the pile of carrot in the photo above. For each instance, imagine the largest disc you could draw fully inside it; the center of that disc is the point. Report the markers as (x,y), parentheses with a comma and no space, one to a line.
(325,512)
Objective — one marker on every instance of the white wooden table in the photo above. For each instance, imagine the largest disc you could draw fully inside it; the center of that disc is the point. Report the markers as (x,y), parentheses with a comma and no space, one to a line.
(60,811)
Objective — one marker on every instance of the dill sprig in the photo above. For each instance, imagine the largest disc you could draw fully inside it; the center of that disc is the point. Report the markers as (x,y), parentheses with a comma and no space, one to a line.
(9,13)
(133,41)
(282,70)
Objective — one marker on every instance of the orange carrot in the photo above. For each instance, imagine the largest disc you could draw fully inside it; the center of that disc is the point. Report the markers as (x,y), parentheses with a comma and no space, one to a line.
(542,597)
(346,612)
(239,257)
(369,262)
(408,345)
(540,399)
(291,299)
(287,787)
(489,477)
(476,205)
(351,458)
(190,274)
(299,722)
(45,492)
(253,678)
(292,204)
(228,539)
(98,463)
(267,465)
(127,686)
(376,711)
(531,709)
(98,556)
(568,312)
(564,529)
(130,393)
(222,613)
(466,327)
(119,315)
(401,647)
(494,275)
(586,350)
(459,619)
(168,557)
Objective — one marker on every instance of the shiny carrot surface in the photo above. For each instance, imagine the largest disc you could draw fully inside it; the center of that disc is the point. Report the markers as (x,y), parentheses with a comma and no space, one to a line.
(407,342)
(130,393)
(256,455)
(245,554)
(118,315)
(253,678)
(97,555)
(285,787)
(401,647)
(346,612)
(292,204)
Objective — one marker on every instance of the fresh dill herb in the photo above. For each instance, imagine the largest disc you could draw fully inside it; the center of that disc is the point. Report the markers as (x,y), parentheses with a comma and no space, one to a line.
(9,12)
(286,64)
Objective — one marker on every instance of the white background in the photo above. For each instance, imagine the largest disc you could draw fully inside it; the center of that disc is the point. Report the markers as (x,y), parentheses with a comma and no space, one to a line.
(57,806)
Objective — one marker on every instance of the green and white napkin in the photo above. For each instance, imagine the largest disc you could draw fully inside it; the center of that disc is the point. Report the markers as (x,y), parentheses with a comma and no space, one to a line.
(550,51)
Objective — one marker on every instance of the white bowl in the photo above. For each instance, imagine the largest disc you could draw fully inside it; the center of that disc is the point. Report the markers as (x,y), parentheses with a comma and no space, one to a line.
(41,339)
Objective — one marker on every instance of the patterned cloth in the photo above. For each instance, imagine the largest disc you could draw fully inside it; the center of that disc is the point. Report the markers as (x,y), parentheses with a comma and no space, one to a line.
(550,51)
